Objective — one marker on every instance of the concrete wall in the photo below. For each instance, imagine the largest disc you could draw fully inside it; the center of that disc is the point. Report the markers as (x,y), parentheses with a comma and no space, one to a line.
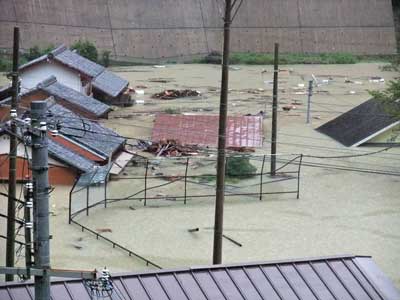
(174,28)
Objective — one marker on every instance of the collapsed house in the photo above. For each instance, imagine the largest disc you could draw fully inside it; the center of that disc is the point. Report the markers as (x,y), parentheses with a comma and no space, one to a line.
(78,73)
(370,123)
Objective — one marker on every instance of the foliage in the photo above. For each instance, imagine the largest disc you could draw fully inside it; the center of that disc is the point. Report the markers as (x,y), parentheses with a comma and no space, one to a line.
(394,65)
(239,167)
(172,111)
(249,58)
(37,51)
(86,48)
(105,58)
(5,64)
(390,97)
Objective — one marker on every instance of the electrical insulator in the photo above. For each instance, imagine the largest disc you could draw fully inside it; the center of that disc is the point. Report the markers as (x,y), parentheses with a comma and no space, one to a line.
(43,126)
(54,132)
(13,113)
(29,204)
(29,225)
(28,121)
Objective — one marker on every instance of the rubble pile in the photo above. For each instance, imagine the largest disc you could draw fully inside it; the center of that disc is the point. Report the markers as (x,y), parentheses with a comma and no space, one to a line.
(174,94)
(171,148)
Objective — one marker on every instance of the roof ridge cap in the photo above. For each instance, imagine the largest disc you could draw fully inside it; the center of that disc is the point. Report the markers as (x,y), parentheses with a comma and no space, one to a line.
(48,81)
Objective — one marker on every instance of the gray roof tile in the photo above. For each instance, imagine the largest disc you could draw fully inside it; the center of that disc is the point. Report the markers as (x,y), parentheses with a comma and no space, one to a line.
(70,157)
(110,83)
(86,132)
(103,80)
(54,88)
(79,63)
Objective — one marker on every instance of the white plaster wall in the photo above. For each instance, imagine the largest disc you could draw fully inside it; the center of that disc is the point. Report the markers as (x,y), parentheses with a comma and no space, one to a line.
(35,74)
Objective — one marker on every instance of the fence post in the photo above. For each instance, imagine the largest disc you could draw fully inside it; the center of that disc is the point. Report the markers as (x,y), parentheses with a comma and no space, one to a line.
(186,173)
(261,179)
(105,192)
(298,176)
(145,182)
(87,200)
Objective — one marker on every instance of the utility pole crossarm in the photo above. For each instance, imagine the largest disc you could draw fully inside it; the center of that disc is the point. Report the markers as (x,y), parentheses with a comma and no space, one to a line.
(51,272)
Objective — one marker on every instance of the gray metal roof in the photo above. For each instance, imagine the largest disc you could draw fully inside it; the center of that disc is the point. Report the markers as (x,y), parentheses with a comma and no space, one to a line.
(54,88)
(330,278)
(70,157)
(91,134)
(359,123)
(110,83)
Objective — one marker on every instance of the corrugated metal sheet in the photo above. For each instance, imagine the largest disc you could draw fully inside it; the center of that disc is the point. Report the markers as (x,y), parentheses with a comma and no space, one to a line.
(330,278)
(242,131)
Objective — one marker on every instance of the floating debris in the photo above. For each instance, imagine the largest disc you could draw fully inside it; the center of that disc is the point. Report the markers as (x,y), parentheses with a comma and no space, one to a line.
(171,148)
(174,94)
(242,149)
(102,230)
(376,79)
(161,80)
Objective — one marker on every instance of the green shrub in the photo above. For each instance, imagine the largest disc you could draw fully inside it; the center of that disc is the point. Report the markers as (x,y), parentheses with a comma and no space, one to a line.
(36,51)
(239,167)
(390,97)
(172,111)
(5,64)
(87,49)
(105,58)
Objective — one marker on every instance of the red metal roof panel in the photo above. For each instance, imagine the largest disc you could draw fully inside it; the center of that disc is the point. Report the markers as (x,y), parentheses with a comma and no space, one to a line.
(241,131)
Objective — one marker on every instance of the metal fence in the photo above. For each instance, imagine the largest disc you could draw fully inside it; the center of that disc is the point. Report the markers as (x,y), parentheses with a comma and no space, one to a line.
(179,181)
(168,181)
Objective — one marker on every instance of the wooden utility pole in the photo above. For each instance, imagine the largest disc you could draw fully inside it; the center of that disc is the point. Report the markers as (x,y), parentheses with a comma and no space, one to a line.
(12,179)
(231,9)
(275,111)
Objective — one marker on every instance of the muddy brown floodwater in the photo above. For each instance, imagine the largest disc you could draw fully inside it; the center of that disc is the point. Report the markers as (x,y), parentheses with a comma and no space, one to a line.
(339,212)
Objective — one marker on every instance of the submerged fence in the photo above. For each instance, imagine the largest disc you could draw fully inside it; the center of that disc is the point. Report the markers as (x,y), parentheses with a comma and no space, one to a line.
(165,181)
(173,181)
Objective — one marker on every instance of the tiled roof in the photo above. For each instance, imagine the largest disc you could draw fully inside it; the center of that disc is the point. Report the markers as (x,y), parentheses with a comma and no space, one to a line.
(54,88)
(110,83)
(57,50)
(60,153)
(79,63)
(359,123)
(91,134)
(70,157)
(103,80)
(330,278)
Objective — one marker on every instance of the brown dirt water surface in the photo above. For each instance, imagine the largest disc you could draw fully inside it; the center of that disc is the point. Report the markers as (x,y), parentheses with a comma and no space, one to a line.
(339,212)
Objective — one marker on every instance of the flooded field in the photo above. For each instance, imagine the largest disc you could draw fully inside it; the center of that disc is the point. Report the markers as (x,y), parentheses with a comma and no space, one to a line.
(339,211)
